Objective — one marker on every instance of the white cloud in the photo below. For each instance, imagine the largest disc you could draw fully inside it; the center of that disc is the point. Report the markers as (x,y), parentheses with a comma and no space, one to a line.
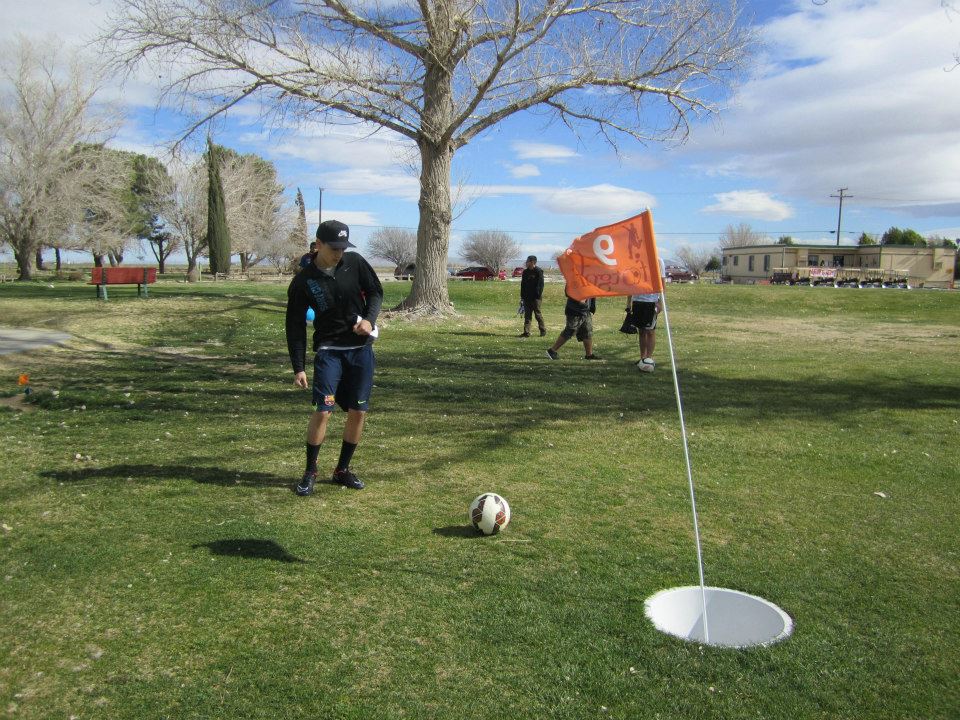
(851,95)
(350,217)
(750,203)
(604,201)
(542,151)
(524,170)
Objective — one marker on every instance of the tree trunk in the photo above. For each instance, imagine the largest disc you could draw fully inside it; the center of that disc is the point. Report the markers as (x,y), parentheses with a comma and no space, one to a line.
(56,253)
(24,261)
(97,259)
(429,292)
(244,261)
(40,259)
(161,258)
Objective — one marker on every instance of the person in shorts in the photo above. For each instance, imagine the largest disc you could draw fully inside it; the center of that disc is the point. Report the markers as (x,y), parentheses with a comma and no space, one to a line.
(644,310)
(346,296)
(579,316)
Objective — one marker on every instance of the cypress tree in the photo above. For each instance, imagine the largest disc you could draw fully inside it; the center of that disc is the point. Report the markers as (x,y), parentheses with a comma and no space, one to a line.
(218,234)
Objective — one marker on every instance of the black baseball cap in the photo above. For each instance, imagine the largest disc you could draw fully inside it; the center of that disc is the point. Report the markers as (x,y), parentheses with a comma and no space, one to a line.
(334,234)
(531,257)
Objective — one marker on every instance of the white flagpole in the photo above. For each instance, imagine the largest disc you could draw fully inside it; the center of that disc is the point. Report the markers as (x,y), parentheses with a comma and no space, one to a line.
(686,455)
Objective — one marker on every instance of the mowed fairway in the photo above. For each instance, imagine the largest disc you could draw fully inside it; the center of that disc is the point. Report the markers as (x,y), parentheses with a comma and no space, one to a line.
(155,563)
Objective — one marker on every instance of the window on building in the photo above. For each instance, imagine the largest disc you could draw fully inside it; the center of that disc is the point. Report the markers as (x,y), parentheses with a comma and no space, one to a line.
(766,263)
(724,260)
(750,263)
(838,260)
(813,260)
(736,260)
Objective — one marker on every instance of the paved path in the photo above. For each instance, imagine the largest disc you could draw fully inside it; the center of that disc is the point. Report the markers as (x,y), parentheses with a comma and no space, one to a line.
(14,340)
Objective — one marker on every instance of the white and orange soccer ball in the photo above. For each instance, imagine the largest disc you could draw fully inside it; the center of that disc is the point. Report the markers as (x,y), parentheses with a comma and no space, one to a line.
(489,513)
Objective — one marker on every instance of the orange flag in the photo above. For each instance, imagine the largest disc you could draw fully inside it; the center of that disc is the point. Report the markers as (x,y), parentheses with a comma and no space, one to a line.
(618,259)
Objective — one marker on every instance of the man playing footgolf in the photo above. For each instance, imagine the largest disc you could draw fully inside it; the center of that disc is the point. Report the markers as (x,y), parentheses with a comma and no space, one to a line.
(346,297)
(579,315)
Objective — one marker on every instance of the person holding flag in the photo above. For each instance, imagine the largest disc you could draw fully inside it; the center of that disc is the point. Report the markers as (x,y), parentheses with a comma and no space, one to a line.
(579,314)
(618,259)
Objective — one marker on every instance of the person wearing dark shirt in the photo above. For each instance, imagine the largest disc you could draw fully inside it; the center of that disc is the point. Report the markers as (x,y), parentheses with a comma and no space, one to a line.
(531,293)
(346,296)
(307,257)
(579,317)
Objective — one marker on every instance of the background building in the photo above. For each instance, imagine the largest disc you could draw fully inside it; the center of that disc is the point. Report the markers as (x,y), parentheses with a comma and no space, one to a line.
(922,266)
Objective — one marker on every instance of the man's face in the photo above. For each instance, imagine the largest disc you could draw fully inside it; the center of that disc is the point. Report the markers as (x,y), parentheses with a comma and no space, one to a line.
(531,264)
(328,256)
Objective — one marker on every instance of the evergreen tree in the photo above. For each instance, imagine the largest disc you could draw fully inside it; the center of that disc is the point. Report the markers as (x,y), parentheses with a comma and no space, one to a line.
(300,229)
(218,234)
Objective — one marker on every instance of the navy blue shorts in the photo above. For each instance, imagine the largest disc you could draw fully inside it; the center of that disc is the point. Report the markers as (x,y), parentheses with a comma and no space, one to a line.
(344,378)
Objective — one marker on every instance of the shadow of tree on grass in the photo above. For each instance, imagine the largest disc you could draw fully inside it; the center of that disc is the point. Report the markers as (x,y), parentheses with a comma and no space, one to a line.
(147,473)
(250,549)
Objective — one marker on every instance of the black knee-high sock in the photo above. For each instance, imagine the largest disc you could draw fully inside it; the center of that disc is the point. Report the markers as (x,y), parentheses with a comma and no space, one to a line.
(346,455)
(312,452)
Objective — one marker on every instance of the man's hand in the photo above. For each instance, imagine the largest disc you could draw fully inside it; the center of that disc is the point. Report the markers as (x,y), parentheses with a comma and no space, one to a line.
(300,380)
(363,327)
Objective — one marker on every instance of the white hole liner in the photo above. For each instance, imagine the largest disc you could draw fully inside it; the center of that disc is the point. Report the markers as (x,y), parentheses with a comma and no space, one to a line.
(734,619)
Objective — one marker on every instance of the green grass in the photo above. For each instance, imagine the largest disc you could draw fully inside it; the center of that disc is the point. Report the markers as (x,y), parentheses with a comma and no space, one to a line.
(170,571)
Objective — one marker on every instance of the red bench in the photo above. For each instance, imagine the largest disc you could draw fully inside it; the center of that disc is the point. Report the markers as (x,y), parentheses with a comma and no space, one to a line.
(139,276)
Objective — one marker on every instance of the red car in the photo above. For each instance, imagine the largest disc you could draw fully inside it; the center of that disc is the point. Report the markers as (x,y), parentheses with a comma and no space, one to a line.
(518,272)
(477,272)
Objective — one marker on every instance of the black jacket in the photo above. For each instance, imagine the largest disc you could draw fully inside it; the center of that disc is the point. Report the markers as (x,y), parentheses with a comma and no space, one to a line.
(575,307)
(531,284)
(353,290)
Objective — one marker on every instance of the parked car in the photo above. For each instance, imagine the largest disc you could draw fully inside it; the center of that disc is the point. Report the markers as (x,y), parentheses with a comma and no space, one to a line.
(405,273)
(518,271)
(680,275)
(477,272)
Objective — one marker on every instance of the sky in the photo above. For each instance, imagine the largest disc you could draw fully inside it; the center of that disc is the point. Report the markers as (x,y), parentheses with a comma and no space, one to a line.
(856,94)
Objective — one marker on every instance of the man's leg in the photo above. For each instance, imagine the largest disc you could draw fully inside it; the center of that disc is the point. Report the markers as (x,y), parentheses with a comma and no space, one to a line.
(527,313)
(539,315)
(648,340)
(316,432)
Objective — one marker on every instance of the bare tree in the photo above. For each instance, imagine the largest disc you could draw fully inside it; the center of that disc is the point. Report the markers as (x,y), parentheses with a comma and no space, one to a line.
(395,244)
(184,208)
(45,111)
(254,200)
(491,248)
(280,244)
(740,236)
(440,73)
(694,259)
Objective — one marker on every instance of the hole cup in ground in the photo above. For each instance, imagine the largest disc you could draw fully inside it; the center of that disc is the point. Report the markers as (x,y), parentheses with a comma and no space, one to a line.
(734,619)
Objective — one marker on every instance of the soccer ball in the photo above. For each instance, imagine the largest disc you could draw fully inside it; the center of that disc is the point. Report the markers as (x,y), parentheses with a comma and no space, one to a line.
(489,513)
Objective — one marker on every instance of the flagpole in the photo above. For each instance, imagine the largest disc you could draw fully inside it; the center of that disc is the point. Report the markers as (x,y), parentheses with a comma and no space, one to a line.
(686,456)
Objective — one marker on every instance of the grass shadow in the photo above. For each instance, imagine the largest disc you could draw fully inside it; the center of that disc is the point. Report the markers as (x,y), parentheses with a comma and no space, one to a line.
(206,475)
(250,549)
(458,531)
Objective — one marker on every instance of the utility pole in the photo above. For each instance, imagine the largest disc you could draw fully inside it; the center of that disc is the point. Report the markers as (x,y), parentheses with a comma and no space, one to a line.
(320,208)
(840,211)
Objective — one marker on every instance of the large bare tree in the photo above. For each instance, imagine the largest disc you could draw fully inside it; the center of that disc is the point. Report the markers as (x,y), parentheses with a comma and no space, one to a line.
(397,245)
(440,72)
(695,259)
(491,248)
(46,110)
(740,235)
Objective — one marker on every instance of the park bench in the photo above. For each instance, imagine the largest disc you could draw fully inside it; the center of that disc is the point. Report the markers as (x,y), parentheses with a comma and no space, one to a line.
(139,276)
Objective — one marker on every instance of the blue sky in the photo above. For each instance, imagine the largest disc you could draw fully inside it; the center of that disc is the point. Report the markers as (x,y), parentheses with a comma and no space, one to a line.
(859,94)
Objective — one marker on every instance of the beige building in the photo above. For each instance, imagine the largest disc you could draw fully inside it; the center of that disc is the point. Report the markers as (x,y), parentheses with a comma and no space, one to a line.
(917,266)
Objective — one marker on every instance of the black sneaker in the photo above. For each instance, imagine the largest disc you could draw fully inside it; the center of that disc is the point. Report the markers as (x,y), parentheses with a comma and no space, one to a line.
(524,334)
(542,333)
(306,482)
(591,356)
(347,479)
(553,354)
